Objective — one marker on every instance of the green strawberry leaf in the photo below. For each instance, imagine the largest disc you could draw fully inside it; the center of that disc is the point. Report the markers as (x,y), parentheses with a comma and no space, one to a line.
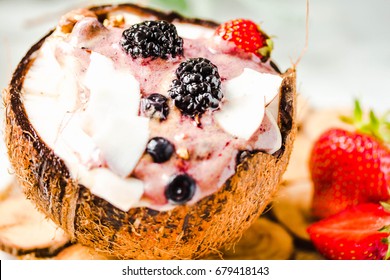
(374,126)
(357,117)
(385,205)
(347,119)
(385,229)
(358,112)
(387,241)
(374,121)
(385,128)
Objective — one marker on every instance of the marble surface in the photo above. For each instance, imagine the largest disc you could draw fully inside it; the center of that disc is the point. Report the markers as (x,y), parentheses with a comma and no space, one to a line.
(348,52)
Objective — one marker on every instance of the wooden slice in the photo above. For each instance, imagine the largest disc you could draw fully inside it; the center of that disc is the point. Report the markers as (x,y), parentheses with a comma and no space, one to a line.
(292,207)
(303,109)
(7,178)
(80,252)
(298,167)
(264,240)
(300,254)
(24,230)
(318,121)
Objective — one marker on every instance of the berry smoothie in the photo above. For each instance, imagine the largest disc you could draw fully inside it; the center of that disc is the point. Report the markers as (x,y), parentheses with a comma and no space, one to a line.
(151,113)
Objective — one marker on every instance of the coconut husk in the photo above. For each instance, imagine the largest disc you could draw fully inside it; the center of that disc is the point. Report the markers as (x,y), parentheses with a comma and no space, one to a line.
(186,232)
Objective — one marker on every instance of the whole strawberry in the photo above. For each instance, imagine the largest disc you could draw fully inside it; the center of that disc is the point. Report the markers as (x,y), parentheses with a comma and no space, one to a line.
(350,167)
(246,35)
(359,232)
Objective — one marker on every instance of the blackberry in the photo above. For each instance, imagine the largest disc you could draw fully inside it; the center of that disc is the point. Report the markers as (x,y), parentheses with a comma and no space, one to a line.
(155,106)
(152,39)
(197,87)
(160,149)
(180,189)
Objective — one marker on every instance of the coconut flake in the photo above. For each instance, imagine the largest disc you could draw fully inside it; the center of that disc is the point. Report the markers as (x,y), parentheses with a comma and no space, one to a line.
(270,140)
(122,193)
(122,142)
(111,90)
(255,82)
(191,31)
(242,113)
(76,140)
(111,116)
(273,107)
(245,99)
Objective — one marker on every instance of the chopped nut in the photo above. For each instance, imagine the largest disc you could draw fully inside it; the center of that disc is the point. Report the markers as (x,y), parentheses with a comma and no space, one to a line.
(115,21)
(183,153)
(197,120)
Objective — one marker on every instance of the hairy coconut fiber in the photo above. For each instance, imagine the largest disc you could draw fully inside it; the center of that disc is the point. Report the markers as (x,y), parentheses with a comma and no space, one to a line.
(186,232)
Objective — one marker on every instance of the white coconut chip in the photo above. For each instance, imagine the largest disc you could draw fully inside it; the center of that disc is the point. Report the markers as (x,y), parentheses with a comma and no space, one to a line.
(246,97)
(111,117)
(122,193)
(270,140)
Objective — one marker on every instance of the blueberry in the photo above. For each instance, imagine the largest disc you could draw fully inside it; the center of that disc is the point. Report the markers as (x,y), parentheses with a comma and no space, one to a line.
(160,149)
(180,189)
(155,106)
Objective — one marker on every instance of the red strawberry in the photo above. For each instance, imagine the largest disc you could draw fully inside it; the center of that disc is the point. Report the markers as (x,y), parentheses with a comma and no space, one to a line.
(246,35)
(348,168)
(359,232)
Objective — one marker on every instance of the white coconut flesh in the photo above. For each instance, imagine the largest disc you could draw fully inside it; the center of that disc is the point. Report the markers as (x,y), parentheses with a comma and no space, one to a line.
(88,112)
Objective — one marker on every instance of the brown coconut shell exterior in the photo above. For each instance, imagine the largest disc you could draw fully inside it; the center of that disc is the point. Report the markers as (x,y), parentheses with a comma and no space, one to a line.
(186,232)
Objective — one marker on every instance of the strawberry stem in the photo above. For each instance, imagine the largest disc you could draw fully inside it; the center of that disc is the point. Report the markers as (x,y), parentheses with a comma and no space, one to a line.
(376,127)
(387,241)
(386,207)
(267,49)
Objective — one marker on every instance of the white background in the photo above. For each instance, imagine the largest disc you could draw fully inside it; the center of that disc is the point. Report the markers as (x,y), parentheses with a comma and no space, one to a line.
(302,270)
